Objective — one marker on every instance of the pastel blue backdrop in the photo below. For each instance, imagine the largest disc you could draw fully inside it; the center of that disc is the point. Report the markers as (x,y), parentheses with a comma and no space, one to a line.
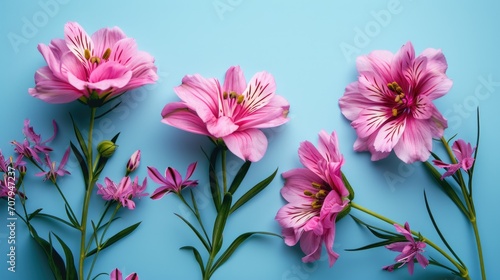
(310,47)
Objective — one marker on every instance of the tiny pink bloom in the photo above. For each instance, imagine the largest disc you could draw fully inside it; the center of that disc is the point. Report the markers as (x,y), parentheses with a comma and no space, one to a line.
(464,154)
(33,143)
(134,161)
(390,105)
(123,192)
(315,194)
(116,274)
(172,181)
(54,172)
(90,68)
(410,250)
(234,112)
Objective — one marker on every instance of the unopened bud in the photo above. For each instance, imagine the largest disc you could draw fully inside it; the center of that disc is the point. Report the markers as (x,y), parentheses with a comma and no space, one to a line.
(106,148)
(134,161)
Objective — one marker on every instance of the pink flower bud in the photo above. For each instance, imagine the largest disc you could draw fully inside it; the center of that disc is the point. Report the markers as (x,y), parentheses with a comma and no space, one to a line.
(134,161)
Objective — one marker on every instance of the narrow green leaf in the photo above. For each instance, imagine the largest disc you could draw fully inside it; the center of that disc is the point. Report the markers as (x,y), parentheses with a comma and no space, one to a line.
(197,257)
(471,170)
(242,172)
(71,217)
(82,162)
(108,111)
(214,182)
(348,186)
(253,192)
(447,188)
(220,223)
(378,244)
(56,262)
(56,219)
(79,138)
(432,261)
(376,230)
(234,245)
(97,276)
(32,215)
(71,273)
(114,238)
(200,237)
(438,231)
(106,223)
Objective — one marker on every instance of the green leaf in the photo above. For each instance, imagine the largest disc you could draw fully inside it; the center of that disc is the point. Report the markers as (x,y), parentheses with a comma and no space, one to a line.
(79,138)
(32,215)
(97,276)
(197,256)
(239,177)
(447,188)
(376,230)
(432,261)
(56,262)
(220,223)
(114,238)
(203,241)
(214,182)
(378,244)
(108,111)
(71,217)
(438,231)
(57,219)
(348,186)
(71,273)
(82,162)
(253,192)
(471,170)
(234,245)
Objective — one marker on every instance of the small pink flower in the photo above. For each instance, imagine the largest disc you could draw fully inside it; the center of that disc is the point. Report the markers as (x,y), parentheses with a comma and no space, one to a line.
(116,274)
(123,192)
(33,145)
(234,112)
(390,105)
(315,194)
(134,161)
(93,69)
(172,181)
(465,158)
(54,172)
(410,250)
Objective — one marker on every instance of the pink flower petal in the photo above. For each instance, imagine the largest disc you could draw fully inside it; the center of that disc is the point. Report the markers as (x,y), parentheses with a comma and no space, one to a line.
(250,144)
(201,95)
(221,127)
(259,91)
(415,143)
(105,38)
(78,41)
(234,80)
(179,115)
(52,90)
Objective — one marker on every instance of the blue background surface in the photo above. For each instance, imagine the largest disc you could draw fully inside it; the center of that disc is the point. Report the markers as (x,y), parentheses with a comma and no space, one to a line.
(310,48)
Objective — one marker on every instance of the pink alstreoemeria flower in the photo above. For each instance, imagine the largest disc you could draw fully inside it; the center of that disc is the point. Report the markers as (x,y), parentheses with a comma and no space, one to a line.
(172,181)
(409,250)
(116,274)
(123,192)
(91,68)
(134,161)
(390,105)
(234,112)
(54,172)
(315,195)
(465,158)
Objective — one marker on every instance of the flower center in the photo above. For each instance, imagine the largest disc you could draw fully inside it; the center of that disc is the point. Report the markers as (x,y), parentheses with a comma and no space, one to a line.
(96,59)
(233,95)
(319,195)
(400,96)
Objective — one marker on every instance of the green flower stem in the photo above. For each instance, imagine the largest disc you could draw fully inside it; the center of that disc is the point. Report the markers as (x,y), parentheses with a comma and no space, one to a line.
(224,176)
(463,271)
(470,206)
(99,242)
(91,182)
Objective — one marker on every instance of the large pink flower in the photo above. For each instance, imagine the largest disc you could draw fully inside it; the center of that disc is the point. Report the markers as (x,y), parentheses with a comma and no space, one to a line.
(234,112)
(390,105)
(93,68)
(315,195)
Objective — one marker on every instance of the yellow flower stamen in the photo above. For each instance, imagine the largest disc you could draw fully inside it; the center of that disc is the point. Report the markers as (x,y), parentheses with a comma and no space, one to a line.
(224,95)
(316,185)
(316,204)
(240,98)
(106,54)
(86,53)
(95,60)
(308,193)
(394,112)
